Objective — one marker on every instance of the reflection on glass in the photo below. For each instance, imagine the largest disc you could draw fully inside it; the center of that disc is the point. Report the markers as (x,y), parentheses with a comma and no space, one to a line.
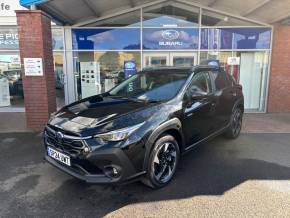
(57,39)
(59,78)
(11,87)
(107,69)
(106,39)
(173,15)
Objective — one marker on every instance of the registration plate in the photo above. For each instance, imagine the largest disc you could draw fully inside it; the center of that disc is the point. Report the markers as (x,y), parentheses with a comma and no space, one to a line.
(58,156)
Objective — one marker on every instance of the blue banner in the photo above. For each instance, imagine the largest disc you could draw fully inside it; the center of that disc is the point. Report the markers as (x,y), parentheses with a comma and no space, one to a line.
(129,68)
(235,38)
(178,38)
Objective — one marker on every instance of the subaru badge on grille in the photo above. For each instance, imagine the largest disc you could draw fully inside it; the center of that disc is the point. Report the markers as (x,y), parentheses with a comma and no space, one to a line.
(59,136)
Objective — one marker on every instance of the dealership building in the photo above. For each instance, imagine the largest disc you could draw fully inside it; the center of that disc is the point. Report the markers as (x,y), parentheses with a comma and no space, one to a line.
(60,51)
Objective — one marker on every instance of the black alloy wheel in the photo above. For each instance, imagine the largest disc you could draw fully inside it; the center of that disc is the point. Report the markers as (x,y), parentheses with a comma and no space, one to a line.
(235,127)
(163,162)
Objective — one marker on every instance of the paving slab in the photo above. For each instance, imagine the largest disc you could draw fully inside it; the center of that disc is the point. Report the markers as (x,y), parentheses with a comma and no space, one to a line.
(266,123)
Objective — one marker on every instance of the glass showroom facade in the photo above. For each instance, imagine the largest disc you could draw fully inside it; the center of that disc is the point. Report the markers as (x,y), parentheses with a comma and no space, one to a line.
(171,34)
(11,87)
(101,54)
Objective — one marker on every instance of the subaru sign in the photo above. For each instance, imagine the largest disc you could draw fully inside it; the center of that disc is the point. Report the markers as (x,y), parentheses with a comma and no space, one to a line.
(130,65)
(179,38)
(129,68)
(170,38)
(170,34)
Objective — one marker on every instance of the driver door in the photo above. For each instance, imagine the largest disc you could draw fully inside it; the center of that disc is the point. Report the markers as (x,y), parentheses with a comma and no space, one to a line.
(198,112)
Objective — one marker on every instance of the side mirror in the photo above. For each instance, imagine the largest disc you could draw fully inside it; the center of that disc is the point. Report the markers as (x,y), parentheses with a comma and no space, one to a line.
(198,95)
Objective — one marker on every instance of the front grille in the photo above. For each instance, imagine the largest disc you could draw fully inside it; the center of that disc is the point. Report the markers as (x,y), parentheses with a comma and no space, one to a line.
(68,144)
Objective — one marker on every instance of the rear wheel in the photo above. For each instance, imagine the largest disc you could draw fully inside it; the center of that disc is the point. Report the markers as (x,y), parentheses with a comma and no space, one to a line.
(235,127)
(163,162)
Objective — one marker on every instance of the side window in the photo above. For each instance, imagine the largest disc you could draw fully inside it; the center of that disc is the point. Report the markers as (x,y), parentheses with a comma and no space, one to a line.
(199,84)
(220,80)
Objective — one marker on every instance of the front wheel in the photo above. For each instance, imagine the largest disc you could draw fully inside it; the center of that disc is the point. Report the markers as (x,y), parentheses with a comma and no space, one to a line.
(163,162)
(235,126)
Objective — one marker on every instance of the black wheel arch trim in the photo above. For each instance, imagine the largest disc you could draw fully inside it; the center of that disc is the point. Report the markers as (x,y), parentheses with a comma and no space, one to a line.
(172,124)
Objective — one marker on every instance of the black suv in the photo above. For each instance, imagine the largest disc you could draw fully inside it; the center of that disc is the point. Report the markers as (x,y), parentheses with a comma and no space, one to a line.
(140,128)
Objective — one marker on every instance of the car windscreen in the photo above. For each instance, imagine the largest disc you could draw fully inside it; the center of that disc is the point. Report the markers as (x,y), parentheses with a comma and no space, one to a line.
(151,86)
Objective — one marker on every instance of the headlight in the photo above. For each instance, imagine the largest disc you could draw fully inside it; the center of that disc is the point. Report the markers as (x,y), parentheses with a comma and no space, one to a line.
(120,134)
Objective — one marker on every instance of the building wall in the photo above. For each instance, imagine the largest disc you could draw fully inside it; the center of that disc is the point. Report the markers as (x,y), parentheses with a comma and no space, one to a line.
(279,87)
(34,29)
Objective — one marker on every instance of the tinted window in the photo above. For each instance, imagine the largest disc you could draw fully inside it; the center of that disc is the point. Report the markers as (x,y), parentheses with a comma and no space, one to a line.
(220,80)
(199,84)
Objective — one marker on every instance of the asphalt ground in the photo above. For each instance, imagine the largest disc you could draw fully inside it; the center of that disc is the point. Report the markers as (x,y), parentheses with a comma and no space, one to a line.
(246,177)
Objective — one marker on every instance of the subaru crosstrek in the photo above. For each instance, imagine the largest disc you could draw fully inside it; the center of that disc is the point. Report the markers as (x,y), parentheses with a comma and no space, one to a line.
(139,129)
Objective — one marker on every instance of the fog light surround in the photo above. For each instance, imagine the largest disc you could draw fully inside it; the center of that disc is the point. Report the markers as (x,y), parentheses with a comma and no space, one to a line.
(112,171)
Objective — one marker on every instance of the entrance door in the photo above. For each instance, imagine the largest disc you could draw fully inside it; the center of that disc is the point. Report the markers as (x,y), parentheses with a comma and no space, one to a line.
(251,74)
(178,59)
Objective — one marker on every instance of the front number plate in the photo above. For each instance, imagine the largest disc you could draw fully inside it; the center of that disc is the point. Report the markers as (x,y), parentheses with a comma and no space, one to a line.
(58,156)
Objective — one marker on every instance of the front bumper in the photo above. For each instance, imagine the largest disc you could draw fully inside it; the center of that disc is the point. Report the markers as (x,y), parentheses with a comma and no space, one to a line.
(99,162)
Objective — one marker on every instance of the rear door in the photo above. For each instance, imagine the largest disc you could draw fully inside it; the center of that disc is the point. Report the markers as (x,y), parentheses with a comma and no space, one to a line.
(224,98)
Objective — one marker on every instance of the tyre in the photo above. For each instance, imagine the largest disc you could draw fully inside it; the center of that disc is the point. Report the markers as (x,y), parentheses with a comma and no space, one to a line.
(235,126)
(163,161)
